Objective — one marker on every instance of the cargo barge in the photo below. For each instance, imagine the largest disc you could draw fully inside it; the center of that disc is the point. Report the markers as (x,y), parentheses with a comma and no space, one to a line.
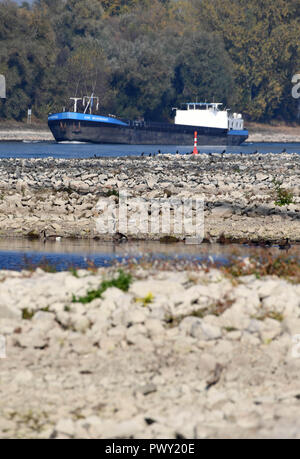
(213,125)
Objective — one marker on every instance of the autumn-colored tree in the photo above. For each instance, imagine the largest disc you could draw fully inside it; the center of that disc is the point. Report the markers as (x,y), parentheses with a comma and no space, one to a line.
(87,73)
(27,55)
(261,38)
(204,71)
(151,54)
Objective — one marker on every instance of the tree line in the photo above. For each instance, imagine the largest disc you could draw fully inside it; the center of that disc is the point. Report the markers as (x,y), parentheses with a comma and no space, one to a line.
(143,57)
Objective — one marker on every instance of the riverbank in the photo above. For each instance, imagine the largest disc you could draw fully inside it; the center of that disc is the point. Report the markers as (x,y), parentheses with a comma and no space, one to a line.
(19,132)
(81,198)
(151,353)
(267,133)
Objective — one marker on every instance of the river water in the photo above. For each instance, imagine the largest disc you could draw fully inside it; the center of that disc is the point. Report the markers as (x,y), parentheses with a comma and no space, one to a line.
(17,254)
(88,150)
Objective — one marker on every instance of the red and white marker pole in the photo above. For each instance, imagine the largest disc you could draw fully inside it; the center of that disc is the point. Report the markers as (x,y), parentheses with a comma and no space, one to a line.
(195,151)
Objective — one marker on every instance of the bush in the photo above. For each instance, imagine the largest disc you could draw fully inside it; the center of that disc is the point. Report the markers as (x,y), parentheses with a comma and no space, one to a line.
(283,197)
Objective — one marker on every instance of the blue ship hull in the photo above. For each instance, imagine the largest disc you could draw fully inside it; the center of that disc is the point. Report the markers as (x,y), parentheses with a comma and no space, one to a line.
(70,126)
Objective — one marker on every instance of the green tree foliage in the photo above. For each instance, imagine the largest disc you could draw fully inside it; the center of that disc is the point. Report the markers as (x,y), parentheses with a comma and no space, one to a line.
(117,7)
(141,57)
(27,58)
(262,39)
(203,70)
(142,62)
(88,73)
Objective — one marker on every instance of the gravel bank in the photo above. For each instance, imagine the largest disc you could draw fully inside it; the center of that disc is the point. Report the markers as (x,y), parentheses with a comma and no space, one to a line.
(269,133)
(25,135)
(71,198)
(189,354)
(273,137)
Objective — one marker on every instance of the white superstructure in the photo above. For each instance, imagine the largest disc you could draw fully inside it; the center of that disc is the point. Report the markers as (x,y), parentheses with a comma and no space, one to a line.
(208,115)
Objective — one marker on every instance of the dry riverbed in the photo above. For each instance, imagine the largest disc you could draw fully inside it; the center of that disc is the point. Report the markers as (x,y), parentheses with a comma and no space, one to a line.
(151,353)
(74,198)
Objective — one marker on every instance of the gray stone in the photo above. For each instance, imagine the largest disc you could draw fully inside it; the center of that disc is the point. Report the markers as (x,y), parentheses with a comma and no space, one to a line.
(66,427)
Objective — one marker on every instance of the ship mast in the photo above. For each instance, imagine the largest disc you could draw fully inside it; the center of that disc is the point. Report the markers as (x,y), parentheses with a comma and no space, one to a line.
(2,87)
(88,102)
(76,100)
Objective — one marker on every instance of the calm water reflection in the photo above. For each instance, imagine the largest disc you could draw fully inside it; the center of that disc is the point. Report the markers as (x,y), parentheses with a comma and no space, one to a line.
(16,254)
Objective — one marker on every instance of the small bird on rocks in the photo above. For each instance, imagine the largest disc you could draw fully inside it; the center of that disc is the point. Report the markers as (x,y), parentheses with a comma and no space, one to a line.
(142,154)
(285,245)
(119,237)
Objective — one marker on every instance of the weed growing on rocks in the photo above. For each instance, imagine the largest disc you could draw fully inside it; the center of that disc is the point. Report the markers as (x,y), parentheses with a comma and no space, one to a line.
(27,314)
(122,282)
(109,193)
(283,197)
(74,272)
(147,300)
(270,315)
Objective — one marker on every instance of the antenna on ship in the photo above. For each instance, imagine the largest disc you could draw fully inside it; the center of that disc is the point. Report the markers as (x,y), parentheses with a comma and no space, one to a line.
(2,87)
(88,101)
(76,99)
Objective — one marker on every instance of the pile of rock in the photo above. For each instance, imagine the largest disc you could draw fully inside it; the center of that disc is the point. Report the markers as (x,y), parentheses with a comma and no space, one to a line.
(75,197)
(189,354)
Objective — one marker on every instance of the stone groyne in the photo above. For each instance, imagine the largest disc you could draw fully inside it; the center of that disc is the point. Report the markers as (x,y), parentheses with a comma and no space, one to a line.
(72,198)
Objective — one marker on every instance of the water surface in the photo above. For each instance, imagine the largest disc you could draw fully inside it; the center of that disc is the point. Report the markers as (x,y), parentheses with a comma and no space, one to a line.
(17,254)
(89,150)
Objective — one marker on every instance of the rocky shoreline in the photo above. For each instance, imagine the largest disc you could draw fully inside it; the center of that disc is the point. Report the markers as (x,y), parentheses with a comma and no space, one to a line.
(149,353)
(74,198)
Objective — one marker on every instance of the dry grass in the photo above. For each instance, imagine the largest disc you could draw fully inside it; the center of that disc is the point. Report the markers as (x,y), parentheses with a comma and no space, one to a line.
(265,265)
